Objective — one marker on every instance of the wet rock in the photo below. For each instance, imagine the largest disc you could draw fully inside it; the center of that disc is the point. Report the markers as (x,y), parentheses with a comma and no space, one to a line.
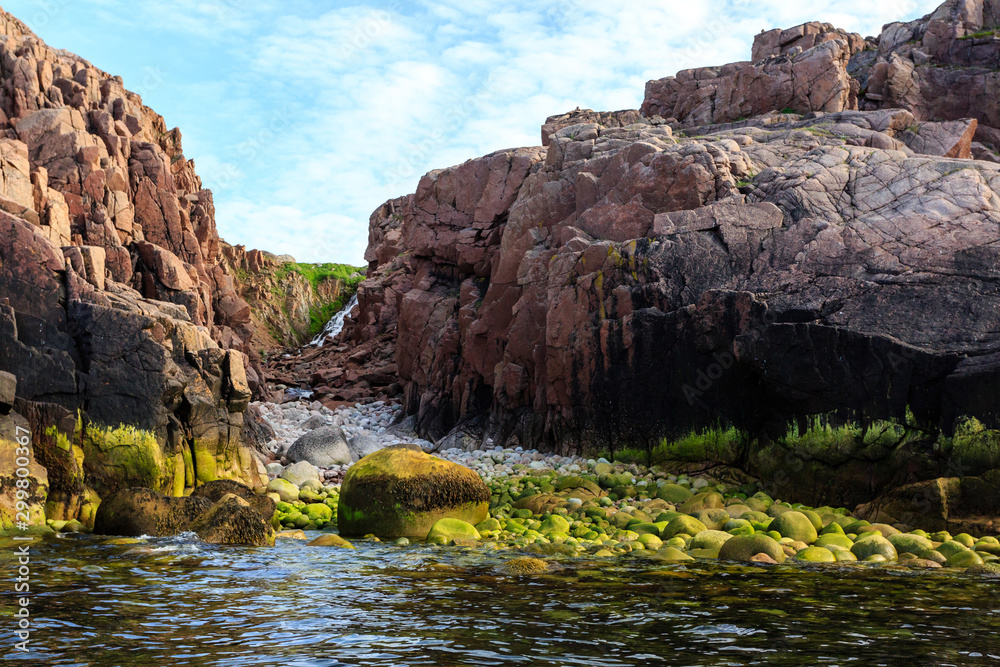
(217,490)
(136,512)
(232,520)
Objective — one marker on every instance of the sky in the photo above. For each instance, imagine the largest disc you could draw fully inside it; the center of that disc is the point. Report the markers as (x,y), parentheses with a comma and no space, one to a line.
(304,116)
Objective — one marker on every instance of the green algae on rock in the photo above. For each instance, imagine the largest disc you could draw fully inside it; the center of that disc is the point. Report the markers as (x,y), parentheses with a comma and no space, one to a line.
(402,492)
(524,565)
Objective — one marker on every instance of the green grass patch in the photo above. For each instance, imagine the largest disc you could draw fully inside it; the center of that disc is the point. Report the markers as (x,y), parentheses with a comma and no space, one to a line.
(317,273)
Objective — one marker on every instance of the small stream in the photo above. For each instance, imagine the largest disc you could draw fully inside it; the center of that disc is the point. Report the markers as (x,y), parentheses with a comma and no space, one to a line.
(176,601)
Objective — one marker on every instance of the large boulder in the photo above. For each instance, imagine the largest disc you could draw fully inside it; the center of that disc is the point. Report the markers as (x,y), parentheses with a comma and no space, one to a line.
(402,492)
(232,520)
(323,447)
(229,520)
(138,511)
(217,490)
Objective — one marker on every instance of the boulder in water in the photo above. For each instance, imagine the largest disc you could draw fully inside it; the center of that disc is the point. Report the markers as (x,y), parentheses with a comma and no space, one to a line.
(217,490)
(401,492)
(137,511)
(232,520)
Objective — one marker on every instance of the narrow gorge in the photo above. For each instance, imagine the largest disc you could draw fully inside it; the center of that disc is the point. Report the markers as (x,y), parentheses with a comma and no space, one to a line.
(747,329)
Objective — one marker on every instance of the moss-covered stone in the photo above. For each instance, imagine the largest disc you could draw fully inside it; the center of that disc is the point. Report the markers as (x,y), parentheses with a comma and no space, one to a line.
(710,539)
(671,555)
(524,566)
(966,558)
(795,525)
(908,543)
(453,529)
(673,493)
(874,546)
(816,555)
(683,525)
(331,540)
(833,539)
(745,547)
(402,492)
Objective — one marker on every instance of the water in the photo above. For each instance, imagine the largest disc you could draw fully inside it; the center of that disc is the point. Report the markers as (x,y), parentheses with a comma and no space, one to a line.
(336,323)
(179,602)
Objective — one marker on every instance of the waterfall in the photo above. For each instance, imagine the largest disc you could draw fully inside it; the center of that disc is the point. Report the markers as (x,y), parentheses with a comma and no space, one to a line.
(336,323)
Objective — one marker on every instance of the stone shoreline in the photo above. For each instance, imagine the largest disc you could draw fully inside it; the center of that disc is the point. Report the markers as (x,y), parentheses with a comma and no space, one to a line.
(550,505)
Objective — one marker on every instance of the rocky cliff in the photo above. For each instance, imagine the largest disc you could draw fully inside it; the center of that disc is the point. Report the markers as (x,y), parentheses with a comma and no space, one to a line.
(804,234)
(115,303)
(289,302)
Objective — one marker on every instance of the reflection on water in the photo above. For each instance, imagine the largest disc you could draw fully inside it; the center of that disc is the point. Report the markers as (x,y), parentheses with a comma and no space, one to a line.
(180,602)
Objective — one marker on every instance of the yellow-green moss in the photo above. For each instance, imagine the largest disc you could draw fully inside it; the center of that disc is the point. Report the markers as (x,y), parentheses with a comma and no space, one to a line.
(126,456)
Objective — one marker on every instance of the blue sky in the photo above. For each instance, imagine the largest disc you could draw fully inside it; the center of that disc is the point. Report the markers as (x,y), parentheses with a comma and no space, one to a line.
(304,116)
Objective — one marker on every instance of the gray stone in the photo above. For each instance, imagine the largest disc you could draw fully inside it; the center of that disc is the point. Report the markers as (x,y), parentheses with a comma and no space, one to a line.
(364,444)
(323,447)
(299,473)
(313,422)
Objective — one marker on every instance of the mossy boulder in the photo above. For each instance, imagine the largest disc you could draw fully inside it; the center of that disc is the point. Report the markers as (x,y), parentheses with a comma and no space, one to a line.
(136,512)
(672,555)
(795,525)
(816,555)
(232,520)
(554,524)
(450,529)
(950,548)
(683,525)
(285,489)
(745,547)
(218,489)
(673,493)
(908,543)
(966,558)
(874,546)
(710,539)
(524,565)
(331,540)
(834,539)
(400,491)
(650,541)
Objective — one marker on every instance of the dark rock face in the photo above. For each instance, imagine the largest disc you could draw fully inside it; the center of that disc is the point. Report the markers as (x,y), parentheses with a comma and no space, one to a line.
(706,263)
(115,305)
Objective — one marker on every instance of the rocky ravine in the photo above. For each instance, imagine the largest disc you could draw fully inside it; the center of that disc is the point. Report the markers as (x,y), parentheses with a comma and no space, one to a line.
(115,303)
(814,232)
